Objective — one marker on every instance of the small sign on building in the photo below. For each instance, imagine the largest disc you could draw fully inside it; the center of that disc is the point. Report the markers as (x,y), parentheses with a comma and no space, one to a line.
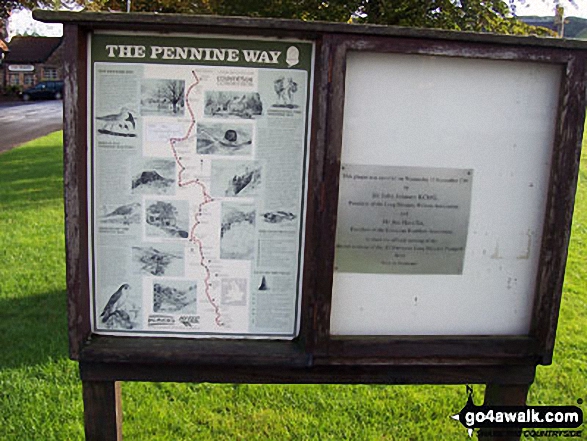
(21,68)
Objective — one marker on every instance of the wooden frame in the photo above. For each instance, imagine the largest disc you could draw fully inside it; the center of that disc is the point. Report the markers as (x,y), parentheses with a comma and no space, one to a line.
(316,356)
(506,363)
(538,345)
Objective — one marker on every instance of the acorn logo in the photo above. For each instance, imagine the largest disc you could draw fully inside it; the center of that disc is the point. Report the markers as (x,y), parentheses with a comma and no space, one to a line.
(292,56)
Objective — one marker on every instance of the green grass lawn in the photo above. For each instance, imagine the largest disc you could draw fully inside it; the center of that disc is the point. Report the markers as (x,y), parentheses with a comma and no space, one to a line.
(40,392)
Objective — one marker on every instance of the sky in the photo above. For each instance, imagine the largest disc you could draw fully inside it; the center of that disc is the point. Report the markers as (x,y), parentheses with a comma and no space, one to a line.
(22,22)
(545,8)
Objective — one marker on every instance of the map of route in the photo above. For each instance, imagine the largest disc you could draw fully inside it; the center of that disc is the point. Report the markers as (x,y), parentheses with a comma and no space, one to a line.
(206,200)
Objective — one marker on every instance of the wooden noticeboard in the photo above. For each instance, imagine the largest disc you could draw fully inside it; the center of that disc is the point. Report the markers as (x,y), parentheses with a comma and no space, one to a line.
(407,222)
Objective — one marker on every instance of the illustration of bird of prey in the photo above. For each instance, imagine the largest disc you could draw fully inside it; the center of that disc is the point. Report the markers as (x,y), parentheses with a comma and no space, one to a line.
(118,124)
(124,214)
(117,300)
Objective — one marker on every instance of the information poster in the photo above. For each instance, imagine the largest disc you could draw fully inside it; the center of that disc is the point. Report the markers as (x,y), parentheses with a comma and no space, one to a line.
(197,184)
(402,220)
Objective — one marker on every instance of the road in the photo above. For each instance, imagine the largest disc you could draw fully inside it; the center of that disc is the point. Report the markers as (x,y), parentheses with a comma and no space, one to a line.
(23,122)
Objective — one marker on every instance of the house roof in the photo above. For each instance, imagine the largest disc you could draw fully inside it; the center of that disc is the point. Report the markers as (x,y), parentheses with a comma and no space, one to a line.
(31,49)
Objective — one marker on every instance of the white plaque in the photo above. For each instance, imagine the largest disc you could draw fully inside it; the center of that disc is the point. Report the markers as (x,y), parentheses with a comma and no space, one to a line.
(402,220)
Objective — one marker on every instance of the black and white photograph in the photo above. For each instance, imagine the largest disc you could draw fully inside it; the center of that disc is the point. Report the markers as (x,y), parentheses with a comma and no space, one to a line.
(236,178)
(286,90)
(233,292)
(233,104)
(121,124)
(284,93)
(116,116)
(162,97)
(120,215)
(159,260)
(237,233)
(154,176)
(167,219)
(121,310)
(226,139)
(175,296)
(278,217)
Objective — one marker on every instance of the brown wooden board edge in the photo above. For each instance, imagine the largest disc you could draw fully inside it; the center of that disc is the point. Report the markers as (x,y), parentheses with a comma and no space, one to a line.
(75,187)
(432,374)
(314,209)
(560,204)
(455,350)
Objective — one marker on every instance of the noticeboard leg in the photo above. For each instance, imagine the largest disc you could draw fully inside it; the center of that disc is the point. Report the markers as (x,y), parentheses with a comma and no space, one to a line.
(506,395)
(102,410)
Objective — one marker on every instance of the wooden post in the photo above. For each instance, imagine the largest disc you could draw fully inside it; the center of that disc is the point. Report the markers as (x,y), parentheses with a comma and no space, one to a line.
(102,410)
(506,395)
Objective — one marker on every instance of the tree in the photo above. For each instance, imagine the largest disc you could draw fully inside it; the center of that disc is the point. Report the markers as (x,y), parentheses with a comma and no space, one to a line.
(466,15)
(174,92)
(298,9)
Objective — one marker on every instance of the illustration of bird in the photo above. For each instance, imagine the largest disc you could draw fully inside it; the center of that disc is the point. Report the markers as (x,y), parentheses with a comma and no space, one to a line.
(117,300)
(124,210)
(125,214)
(116,123)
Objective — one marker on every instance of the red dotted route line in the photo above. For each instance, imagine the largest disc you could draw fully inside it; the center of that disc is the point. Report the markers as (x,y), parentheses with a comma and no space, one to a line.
(207,199)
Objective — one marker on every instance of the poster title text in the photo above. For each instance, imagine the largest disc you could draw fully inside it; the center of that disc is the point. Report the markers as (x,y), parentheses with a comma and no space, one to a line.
(192,53)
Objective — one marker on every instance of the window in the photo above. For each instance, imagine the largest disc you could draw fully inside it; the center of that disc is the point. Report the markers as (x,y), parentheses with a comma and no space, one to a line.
(29,80)
(50,73)
(14,79)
